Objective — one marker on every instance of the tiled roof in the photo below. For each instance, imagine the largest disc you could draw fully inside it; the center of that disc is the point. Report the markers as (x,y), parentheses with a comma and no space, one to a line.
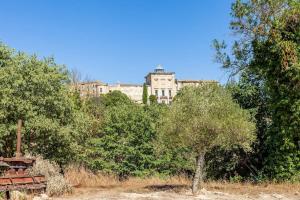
(197,81)
(130,85)
(93,82)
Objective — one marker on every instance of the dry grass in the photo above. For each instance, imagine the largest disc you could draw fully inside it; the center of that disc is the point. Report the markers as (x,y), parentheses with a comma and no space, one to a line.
(254,189)
(80,177)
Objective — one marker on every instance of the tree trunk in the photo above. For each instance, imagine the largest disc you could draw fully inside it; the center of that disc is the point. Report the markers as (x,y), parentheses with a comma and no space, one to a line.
(198,178)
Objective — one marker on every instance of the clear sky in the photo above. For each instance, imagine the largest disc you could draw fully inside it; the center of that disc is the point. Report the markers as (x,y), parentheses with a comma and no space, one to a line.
(120,40)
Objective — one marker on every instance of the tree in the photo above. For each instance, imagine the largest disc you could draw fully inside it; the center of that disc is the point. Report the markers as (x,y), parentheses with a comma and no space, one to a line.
(169,160)
(249,92)
(124,146)
(202,118)
(145,94)
(36,92)
(269,47)
(75,77)
(115,98)
(153,99)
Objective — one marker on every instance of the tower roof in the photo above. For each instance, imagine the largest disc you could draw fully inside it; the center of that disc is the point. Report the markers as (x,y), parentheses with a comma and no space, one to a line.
(159,69)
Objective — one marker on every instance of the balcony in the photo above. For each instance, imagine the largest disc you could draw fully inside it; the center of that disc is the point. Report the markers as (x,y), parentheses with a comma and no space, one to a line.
(163,97)
(166,97)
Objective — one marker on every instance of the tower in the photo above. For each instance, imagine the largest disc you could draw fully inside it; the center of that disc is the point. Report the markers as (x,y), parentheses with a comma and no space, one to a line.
(162,84)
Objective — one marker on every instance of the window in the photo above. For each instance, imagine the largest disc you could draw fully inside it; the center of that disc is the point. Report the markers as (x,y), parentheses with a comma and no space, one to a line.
(163,92)
(156,92)
(101,90)
(170,93)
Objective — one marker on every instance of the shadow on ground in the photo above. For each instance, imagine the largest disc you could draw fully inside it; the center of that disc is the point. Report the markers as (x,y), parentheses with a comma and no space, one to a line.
(167,187)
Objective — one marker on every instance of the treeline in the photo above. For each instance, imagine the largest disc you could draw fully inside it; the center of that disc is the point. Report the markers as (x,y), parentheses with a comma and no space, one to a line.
(266,59)
(111,133)
(246,130)
(125,140)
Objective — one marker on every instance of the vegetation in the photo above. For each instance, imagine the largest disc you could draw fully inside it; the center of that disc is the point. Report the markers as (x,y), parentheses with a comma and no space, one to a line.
(152,99)
(249,94)
(246,130)
(56,184)
(202,118)
(85,178)
(145,94)
(124,145)
(268,50)
(35,91)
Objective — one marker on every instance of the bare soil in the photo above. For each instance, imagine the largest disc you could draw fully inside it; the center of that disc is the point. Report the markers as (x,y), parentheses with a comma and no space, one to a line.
(175,192)
(92,186)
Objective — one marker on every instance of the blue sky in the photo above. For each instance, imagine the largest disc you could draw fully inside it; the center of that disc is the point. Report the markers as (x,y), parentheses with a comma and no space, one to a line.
(120,40)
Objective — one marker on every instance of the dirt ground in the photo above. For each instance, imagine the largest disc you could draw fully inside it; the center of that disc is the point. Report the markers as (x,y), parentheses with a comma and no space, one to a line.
(171,193)
(90,186)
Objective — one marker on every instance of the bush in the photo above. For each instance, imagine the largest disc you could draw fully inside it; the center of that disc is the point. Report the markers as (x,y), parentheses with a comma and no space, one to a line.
(45,167)
(56,183)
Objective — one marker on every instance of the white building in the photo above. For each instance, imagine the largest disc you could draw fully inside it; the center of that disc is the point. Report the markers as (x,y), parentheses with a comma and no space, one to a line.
(133,91)
(160,83)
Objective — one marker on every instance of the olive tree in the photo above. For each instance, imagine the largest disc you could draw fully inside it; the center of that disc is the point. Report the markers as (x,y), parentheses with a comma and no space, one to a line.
(204,117)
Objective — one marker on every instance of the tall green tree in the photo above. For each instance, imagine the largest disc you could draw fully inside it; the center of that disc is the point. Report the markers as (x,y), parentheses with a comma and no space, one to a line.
(145,94)
(36,92)
(202,118)
(269,47)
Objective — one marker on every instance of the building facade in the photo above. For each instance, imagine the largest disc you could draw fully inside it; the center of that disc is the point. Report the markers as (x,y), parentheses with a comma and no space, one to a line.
(133,91)
(160,83)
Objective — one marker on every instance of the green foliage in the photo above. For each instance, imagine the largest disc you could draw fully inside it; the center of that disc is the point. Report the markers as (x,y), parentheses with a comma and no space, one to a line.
(108,133)
(95,106)
(224,164)
(250,93)
(145,94)
(115,98)
(35,91)
(125,144)
(170,160)
(204,117)
(269,49)
(153,99)
(282,77)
